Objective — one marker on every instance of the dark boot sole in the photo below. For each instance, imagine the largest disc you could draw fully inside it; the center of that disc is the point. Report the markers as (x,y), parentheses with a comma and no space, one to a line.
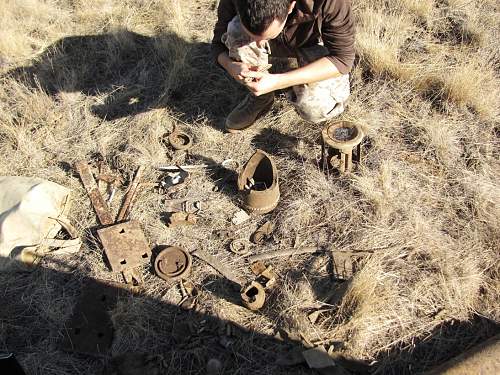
(261,113)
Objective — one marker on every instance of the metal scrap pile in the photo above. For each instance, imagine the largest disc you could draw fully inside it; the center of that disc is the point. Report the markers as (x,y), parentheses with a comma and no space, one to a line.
(127,249)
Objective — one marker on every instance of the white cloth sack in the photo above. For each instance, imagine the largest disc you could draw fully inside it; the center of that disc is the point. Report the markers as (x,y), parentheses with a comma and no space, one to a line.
(32,212)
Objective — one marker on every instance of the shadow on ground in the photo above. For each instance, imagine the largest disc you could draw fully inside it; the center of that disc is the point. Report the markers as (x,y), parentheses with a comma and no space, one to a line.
(184,340)
(129,73)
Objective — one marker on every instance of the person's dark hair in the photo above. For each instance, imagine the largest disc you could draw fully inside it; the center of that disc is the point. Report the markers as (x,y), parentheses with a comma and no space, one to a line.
(257,15)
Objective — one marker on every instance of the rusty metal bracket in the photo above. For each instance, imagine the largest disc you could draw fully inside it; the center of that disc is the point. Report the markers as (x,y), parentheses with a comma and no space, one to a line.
(181,218)
(100,206)
(266,276)
(125,245)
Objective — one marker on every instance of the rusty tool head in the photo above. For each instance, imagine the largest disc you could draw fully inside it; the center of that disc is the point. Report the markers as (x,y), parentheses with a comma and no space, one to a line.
(173,263)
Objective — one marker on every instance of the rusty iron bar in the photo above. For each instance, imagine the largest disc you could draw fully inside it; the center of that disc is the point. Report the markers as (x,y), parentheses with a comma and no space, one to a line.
(218,266)
(100,206)
(282,253)
(130,196)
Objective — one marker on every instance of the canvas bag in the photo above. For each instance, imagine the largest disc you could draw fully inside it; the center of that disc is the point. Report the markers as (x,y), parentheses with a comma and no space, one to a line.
(32,212)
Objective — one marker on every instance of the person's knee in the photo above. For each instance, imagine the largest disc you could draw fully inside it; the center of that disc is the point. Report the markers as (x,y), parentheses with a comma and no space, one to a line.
(316,102)
(318,114)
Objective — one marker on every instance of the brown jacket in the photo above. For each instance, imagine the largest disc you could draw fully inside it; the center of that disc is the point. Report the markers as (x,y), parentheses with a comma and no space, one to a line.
(311,21)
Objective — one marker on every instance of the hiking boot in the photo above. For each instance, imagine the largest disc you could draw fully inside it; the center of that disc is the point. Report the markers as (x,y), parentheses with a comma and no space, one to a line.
(249,110)
(258,184)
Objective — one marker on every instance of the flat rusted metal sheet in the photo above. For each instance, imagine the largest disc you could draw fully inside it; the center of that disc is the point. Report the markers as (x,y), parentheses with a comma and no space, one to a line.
(125,245)
(100,206)
(90,329)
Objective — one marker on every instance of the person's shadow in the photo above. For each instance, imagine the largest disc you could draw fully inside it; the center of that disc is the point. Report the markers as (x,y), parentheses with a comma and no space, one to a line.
(128,73)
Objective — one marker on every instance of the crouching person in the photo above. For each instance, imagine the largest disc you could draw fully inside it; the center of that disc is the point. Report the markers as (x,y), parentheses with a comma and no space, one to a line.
(319,33)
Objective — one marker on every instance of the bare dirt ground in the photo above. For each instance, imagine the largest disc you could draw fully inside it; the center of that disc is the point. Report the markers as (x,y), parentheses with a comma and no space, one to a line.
(82,78)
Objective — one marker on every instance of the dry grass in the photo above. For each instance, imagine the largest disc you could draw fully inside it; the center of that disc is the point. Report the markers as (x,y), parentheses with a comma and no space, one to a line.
(80,78)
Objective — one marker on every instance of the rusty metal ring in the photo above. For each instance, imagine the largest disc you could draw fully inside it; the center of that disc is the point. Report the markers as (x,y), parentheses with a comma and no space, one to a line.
(180,140)
(173,263)
(239,246)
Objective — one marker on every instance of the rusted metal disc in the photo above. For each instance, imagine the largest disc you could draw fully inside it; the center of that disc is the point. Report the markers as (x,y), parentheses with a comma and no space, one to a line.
(180,140)
(342,135)
(240,246)
(173,263)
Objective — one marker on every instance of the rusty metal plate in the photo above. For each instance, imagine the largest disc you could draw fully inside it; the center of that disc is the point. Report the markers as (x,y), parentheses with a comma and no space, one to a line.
(125,245)
(90,329)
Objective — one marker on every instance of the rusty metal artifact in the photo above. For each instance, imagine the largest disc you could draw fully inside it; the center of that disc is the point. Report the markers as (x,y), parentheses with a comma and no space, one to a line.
(253,295)
(262,233)
(173,263)
(266,276)
(341,145)
(239,246)
(258,184)
(125,245)
(283,253)
(181,218)
(90,329)
(100,206)
(227,272)
(180,140)
(130,196)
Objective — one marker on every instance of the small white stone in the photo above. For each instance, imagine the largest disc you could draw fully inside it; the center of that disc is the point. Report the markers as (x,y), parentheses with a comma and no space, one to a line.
(240,217)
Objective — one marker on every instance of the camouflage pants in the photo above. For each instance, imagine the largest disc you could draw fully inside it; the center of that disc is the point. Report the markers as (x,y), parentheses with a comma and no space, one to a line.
(314,102)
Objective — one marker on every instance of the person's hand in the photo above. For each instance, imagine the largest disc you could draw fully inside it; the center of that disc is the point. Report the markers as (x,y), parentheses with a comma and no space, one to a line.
(262,82)
(237,70)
